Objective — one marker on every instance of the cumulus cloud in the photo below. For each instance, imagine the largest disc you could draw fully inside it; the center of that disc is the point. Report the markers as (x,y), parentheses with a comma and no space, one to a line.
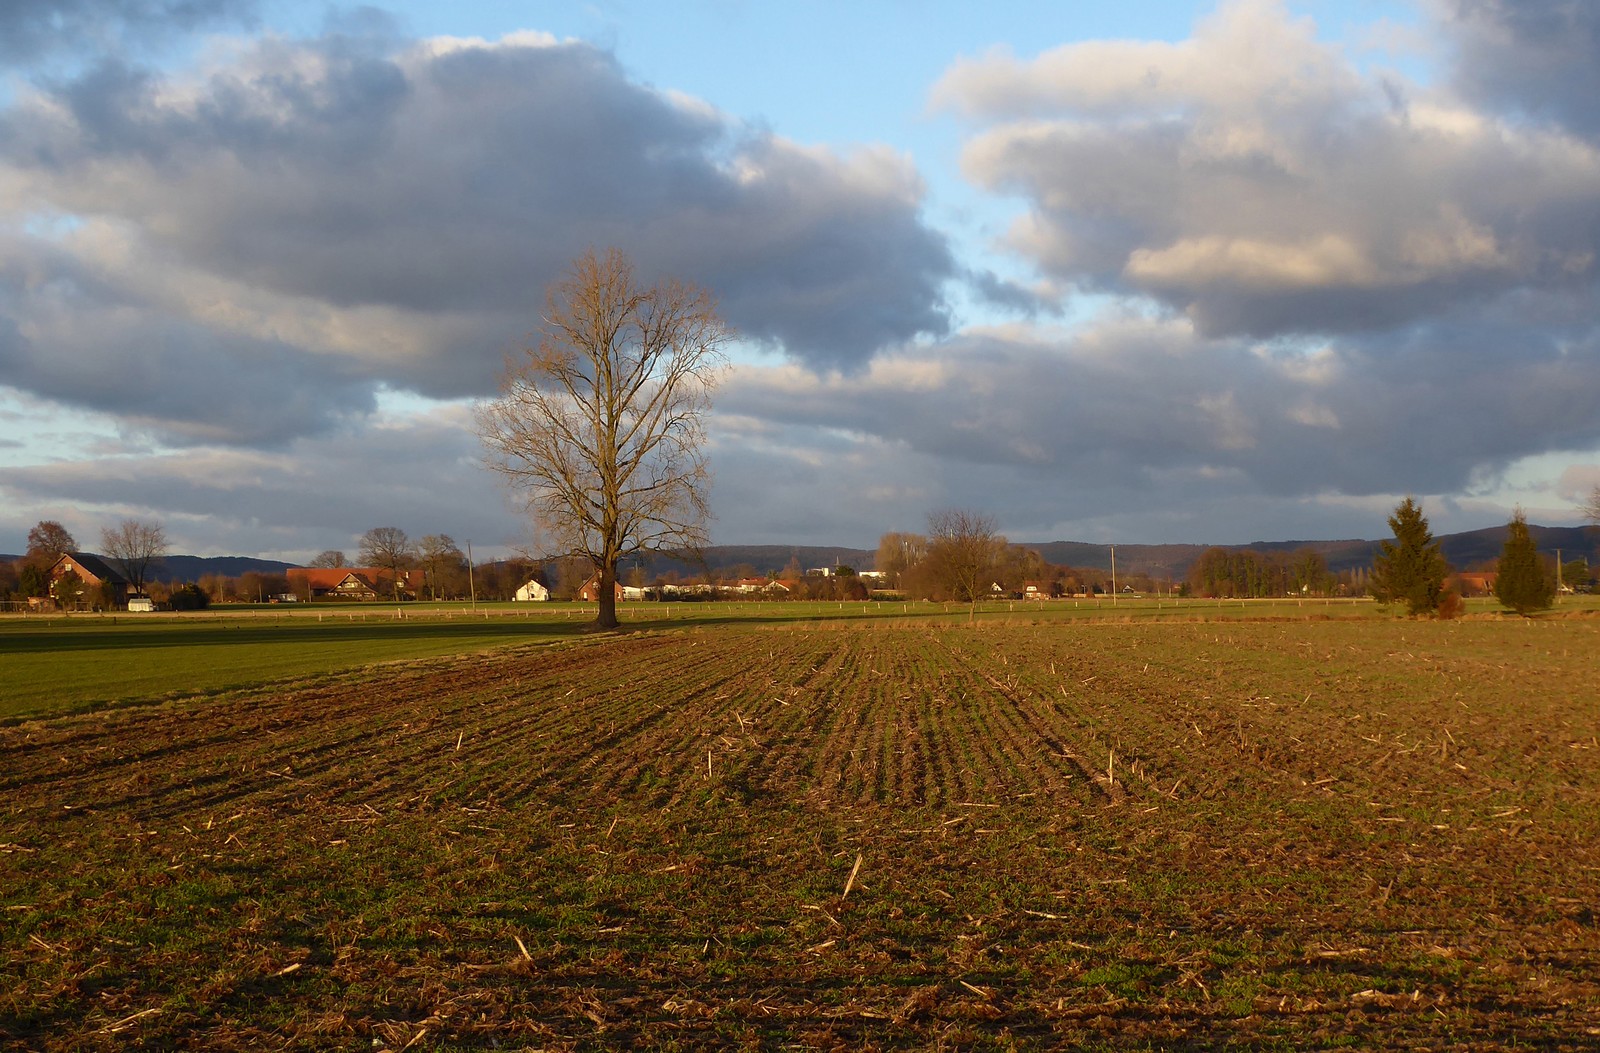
(344,209)
(1536,58)
(1323,286)
(1133,403)
(33,30)
(94,338)
(1577,483)
(415,471)
(1252,178)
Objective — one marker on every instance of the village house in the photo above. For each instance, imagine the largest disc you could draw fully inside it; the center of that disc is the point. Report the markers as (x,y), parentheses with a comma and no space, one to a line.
(101,587)
(531,592)
(589,591)
(1472,584)
(353,583)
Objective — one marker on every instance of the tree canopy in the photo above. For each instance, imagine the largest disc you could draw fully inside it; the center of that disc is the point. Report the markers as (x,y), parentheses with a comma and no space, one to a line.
(1410,569)
(963,552)
(133,545)
(600,426)
(388,548)
(49,541)
(1523,583)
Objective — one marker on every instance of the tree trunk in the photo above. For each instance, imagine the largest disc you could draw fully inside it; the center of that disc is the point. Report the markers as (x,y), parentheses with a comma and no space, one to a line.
(607,618)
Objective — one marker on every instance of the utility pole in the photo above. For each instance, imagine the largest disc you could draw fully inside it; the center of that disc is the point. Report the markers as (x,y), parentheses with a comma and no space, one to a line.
(1113,575)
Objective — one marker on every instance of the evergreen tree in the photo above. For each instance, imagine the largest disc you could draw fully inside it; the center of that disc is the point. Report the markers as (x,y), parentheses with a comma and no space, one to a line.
(1522,583)
(1410,569)
(33,580)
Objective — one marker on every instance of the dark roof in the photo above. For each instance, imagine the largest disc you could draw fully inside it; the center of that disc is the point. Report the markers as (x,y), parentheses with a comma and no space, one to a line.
(97,566)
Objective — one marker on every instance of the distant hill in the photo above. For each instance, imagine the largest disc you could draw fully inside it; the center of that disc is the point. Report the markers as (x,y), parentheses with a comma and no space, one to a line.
(1477,546)
(1463,551)
(1162,561)
(1174,561)
(181,569)
(192,568)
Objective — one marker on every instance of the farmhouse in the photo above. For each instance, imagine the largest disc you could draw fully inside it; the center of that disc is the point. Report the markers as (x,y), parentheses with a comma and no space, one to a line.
(589,592)
(532,592)
(1470,584)
(353,583)
(101,585)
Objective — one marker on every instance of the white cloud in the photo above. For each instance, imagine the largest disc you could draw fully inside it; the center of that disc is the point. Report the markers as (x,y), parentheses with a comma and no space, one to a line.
(321,217)
(1253,178)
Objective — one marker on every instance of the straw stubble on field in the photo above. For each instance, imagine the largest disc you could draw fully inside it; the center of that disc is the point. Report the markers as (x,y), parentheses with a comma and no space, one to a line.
(1247,834)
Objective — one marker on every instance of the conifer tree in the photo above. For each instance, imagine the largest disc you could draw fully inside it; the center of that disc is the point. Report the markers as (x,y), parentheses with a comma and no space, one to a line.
(1410,569)
(1522,583)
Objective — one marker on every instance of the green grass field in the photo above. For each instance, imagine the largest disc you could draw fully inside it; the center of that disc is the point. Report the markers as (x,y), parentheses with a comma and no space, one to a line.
(58,665)
(62,664)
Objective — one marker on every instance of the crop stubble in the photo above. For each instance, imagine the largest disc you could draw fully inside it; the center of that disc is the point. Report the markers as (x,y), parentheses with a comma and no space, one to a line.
(1254,834)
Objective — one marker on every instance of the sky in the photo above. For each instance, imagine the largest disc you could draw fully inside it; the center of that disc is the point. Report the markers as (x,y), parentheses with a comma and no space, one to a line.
(1181,271)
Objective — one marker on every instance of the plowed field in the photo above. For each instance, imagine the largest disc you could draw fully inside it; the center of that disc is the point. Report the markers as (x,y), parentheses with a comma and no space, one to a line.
(1244,835)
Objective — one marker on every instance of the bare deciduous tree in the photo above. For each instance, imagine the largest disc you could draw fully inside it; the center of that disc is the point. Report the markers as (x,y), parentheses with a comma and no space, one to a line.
(898,553)
(600,428)
(329,557)
(442,561)
(1591,506)
(963,551)
(388,548)
(134,545)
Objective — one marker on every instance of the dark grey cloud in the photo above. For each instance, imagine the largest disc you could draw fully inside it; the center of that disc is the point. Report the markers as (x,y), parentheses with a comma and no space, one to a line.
(1141,405)
(421,475)
(110,349)
(1011,295)
(1252,178)
(1538,58)
(442,187)
(35,30)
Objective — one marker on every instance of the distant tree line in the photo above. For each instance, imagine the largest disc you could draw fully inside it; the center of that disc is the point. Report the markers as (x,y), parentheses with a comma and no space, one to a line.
(1247,573)
(960,558)
(963,558)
